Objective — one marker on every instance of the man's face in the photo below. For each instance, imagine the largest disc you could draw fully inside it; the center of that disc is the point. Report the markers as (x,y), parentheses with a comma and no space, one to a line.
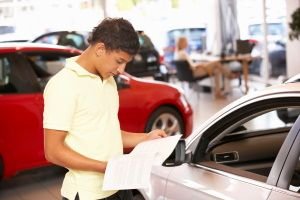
(112,63)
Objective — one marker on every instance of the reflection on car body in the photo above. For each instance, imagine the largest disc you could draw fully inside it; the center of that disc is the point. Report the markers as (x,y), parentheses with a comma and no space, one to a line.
(248,150)
(25,69)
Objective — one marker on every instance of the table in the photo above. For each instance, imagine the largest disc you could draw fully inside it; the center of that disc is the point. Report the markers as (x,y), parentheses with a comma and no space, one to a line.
(244,59)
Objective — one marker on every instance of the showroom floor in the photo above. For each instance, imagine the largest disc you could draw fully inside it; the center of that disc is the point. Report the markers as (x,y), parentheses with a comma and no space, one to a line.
(45,183)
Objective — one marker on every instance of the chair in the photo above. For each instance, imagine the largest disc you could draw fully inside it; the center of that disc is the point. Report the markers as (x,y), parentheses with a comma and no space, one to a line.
(185,73)
(243,47)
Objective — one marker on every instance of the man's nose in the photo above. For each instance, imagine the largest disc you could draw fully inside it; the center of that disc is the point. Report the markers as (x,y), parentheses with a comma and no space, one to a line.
(121,68)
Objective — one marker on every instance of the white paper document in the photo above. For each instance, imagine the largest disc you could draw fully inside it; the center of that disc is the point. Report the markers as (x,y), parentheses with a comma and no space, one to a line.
(133,170)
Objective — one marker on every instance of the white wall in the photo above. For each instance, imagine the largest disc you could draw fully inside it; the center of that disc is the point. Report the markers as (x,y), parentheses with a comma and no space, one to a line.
(293,47)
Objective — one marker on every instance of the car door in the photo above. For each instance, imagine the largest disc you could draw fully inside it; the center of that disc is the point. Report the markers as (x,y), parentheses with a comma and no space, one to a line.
(21,114)
(237,166)
(204,183)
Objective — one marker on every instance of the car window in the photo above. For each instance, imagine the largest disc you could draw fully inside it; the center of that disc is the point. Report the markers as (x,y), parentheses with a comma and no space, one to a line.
(46,65)
(16,75)
(247,142)
(265,121)
(72,40)
(75,40)
(276,119)
(48,39)
(78,40)
(253,146)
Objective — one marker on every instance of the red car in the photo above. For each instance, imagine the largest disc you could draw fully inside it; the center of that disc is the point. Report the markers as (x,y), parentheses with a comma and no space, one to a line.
(25,68)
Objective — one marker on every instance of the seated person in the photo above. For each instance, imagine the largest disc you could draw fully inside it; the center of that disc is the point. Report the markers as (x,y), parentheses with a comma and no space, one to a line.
(211,68)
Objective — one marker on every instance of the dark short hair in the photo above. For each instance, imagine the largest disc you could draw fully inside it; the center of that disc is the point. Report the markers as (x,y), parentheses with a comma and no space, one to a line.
(116,34)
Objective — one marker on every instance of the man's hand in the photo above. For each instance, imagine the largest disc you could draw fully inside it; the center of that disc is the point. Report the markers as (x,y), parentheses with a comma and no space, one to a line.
(132,139)
(155,134)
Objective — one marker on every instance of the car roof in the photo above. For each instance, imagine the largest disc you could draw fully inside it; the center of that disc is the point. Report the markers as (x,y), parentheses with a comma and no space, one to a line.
(81,32)
(28,46)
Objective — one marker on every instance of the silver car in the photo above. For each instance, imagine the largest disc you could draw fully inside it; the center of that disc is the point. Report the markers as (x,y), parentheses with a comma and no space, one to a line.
(248,150)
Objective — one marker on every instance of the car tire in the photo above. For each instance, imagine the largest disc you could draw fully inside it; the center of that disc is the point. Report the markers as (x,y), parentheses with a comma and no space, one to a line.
(166,118)
(138,196)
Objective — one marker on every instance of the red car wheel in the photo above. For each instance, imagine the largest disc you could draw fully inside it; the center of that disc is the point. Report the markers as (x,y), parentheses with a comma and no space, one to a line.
(166,118)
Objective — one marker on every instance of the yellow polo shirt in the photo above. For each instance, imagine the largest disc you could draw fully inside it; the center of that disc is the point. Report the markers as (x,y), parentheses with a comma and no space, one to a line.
(80,103)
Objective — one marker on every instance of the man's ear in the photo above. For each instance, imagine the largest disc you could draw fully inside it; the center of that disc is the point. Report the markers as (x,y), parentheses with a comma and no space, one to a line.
(100,49)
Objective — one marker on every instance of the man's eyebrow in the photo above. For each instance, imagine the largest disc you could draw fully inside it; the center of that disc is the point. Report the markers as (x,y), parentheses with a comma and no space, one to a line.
(123,60)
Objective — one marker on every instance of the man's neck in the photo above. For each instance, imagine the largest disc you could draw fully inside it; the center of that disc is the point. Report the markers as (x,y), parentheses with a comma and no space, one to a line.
(85,60)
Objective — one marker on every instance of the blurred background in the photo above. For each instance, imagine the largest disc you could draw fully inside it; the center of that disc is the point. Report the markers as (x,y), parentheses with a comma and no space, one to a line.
(211,26)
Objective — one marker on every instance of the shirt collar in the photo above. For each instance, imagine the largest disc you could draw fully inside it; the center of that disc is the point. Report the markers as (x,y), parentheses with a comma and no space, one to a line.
(79,70)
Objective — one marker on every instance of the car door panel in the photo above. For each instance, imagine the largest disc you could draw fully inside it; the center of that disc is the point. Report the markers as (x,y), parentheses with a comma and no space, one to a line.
(235,152)
(280,194)
(285,172)
(25,112)
(158,183)
(198,182)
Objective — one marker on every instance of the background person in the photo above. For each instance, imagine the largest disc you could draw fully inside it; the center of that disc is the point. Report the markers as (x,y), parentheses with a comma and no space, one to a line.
(145,41)
(200,69)
(82,130)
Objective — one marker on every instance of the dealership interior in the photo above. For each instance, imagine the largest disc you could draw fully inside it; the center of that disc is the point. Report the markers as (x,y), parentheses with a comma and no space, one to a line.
(251,38)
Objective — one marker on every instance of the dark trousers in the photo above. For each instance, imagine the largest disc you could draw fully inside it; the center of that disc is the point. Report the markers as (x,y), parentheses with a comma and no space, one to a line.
(120,195)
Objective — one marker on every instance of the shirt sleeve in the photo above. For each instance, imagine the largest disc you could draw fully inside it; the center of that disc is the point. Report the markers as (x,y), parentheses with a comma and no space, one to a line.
(59,103)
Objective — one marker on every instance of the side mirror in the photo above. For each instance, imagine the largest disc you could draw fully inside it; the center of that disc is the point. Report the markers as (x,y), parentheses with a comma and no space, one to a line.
(178,156)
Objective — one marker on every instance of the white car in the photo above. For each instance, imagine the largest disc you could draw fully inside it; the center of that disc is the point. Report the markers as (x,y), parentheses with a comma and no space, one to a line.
(248,150)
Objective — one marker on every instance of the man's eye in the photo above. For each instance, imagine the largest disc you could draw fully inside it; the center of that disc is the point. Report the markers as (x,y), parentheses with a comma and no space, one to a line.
(120,62)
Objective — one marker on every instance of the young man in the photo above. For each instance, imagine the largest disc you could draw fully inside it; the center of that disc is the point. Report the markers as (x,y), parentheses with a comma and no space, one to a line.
(82,130)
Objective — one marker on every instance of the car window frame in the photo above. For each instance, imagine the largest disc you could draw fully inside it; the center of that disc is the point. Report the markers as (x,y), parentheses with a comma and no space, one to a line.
(287,159)
(223,124)
(20,68)
(63,34)
(266,104)
(43,80)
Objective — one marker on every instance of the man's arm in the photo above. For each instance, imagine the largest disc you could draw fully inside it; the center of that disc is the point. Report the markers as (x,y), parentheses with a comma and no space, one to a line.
(57,152)
(132,139)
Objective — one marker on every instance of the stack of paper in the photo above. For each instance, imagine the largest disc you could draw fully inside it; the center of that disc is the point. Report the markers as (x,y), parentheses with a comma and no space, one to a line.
(133,170)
